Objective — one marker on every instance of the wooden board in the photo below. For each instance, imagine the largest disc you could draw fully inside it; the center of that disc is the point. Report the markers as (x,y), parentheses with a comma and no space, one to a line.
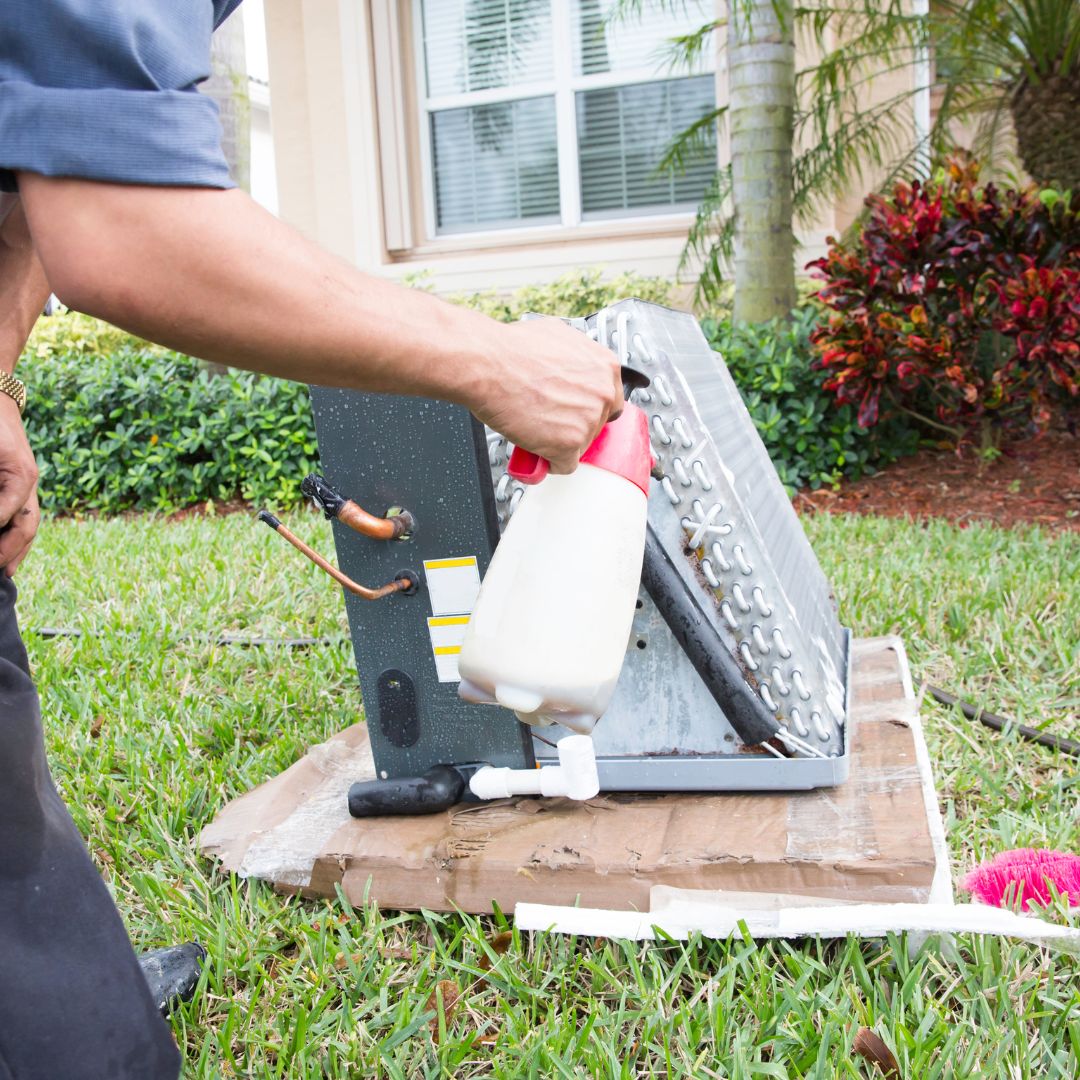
(867,840)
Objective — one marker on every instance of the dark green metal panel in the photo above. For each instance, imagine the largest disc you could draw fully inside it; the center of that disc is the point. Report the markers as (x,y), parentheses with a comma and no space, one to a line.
(431,458)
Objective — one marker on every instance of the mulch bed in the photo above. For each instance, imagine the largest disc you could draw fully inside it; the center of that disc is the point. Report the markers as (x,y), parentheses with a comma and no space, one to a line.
(214,508)
(1036,481)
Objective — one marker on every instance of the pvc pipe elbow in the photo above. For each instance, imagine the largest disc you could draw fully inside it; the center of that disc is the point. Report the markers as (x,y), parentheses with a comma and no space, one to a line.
(575,777)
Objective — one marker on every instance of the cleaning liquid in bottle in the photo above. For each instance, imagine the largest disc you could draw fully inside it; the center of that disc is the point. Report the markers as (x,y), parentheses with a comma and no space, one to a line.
(548,634)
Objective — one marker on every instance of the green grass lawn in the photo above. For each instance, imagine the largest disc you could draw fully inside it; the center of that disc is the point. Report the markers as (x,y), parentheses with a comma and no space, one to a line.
(311,989)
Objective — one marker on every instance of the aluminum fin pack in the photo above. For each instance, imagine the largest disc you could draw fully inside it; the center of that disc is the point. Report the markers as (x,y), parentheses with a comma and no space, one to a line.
(726,522)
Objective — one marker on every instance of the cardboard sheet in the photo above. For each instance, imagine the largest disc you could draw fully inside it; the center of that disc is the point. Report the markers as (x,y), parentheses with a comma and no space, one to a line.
(876,838)
(678,914)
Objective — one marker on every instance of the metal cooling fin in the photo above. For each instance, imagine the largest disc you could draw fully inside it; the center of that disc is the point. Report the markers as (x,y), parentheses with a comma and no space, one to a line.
(721,512)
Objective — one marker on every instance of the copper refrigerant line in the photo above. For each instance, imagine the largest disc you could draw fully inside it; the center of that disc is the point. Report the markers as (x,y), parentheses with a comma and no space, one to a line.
(398,524)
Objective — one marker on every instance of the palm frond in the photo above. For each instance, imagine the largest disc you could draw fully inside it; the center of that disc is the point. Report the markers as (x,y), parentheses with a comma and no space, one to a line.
(693,141)
(685,51)
(992,144)
(871,141)
(711,240)
(629,10)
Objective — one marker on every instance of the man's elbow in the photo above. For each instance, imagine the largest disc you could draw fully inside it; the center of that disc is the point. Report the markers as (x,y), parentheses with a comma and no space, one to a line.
(76,290)
(111,300)
(82,256)
(85,276)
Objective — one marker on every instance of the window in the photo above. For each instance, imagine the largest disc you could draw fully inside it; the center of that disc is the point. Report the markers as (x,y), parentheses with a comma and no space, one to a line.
(540,112)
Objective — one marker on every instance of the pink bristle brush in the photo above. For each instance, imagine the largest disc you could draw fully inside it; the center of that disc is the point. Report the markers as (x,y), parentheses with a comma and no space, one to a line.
(1027,875)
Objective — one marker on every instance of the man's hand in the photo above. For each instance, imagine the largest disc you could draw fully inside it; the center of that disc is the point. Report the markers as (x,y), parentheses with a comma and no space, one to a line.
(550,390)
(19,513)
(23,292)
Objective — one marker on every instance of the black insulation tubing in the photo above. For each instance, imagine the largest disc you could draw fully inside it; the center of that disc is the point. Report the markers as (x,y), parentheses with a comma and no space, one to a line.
(1061,743)
(1000,723)
(704,647)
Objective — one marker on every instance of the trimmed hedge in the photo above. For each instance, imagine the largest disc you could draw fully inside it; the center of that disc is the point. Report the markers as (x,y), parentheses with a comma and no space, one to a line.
(118,423)
(571,296)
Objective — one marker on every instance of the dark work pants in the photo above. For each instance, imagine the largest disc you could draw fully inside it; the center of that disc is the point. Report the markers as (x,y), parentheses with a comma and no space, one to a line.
(73,1001)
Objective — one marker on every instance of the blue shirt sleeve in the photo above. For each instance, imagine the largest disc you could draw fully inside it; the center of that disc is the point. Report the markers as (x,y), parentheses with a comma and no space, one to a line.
(107,90)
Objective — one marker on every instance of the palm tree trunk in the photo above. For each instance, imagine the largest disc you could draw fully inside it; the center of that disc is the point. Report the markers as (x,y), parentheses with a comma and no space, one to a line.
(1044,113)
(761,81)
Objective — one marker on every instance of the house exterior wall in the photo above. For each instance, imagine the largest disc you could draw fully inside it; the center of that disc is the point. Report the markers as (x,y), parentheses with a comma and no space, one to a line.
(346,144)
(263,170)
(886,87)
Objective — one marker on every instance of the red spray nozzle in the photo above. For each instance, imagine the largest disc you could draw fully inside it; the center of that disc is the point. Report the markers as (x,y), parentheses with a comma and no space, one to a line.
(622,447)
(620,451)
(528,467)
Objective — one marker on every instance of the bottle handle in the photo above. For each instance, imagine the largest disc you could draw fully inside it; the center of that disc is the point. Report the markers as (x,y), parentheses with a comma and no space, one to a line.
(528,467)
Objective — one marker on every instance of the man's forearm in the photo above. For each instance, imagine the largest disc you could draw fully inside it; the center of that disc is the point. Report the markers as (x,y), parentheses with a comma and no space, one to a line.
(23,288)
(213,274)
(209,272)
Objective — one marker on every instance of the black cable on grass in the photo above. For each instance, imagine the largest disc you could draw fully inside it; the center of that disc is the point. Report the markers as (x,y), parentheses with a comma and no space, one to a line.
(1000,723)
(972,712)
(54,633)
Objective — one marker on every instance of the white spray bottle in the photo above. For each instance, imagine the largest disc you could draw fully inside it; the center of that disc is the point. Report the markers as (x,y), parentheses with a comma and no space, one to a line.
(548,634)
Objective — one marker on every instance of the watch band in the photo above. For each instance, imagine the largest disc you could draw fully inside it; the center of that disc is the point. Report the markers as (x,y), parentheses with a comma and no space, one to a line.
(14,389)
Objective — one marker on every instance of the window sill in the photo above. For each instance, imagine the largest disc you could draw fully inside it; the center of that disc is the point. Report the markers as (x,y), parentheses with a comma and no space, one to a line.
(547,236)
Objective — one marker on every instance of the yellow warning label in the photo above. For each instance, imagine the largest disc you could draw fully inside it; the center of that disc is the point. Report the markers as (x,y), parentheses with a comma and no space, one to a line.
(447,632)
(453,584)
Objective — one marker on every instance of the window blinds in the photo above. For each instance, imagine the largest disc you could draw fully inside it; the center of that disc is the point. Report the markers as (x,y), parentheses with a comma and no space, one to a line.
(623,132)
(639,41)
(497,130)
(472,45)
(495,164)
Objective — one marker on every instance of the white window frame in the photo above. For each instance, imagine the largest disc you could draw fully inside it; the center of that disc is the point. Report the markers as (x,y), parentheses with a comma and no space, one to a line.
(564,88)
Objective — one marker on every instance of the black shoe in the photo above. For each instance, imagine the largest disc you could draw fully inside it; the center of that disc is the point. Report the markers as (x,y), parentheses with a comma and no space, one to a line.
(173,973)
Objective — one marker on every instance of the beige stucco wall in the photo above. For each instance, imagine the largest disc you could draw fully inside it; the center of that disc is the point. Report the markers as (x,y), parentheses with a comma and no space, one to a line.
(347,164)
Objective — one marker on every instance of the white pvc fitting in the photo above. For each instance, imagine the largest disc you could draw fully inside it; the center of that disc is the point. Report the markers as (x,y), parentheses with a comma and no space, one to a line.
(575,777)
(492,783)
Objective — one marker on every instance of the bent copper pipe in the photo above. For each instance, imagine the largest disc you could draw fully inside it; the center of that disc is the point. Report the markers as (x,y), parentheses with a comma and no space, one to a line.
(405,582)
(387,528)
(333,505)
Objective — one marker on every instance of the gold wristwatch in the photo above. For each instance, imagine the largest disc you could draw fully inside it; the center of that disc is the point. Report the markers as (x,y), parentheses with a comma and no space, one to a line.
(14,389)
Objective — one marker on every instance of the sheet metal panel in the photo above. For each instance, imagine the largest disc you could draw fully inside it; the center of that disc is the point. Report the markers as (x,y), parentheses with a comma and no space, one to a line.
(383,451)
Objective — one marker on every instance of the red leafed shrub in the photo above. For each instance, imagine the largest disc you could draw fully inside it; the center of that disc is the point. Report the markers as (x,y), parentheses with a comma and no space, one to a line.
(957,304)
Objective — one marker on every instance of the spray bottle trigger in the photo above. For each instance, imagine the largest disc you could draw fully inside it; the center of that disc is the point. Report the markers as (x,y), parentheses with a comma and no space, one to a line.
(528,467)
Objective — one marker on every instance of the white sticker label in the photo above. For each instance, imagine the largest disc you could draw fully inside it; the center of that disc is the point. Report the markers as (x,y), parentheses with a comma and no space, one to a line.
(447,632)
(453,584)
